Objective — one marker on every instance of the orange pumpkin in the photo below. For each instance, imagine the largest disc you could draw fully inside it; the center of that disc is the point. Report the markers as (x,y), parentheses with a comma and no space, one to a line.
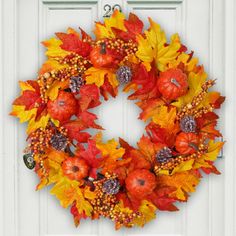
(140,183)
(99,56)
(186,143)
(63,107)
(172,84)
(75,168)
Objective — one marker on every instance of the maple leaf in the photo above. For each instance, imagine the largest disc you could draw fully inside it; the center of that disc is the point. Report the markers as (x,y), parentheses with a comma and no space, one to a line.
(160,135)
(89,97)
(147,210)
(97,76)
(185,61)
(23,114)
(105,30)
(52,160)
(183,182)
(205,161)
(68,191)
(154,47)
(54,49)
(71,42)
(35,124)
(107,89)
(195,82)
(148,148)
(147,84)
(55,87)
(133,25)
(207,125)
(50,65)
(161,199)
(30,97)
(92,155)
(74,129)
(85,120)
(112,155)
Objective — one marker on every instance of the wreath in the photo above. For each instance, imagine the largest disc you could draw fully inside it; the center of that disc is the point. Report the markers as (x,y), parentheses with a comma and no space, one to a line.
(114,179)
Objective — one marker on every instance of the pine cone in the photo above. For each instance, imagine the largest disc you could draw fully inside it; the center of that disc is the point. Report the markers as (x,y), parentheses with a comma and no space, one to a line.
(188,124)
(59,141)
(75,84)
(124,74)
(164,155)
(111,186)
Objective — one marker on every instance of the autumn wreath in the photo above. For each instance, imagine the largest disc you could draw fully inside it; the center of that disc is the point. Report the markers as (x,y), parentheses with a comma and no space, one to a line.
(113,179)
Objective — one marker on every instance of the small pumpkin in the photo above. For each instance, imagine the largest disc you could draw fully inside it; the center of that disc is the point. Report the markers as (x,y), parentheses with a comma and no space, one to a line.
(186,143)
(75,168)
(172,84)
(100,57)
(63,107)
(140,183)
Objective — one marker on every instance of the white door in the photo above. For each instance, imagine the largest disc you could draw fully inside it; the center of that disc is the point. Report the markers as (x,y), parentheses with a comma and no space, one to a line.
(205,26)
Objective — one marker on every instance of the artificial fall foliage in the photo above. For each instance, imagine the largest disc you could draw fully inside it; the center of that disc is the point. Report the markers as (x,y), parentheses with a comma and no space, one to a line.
(112,179)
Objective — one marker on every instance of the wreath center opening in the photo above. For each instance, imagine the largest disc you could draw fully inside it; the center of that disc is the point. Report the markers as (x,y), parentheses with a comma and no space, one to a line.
(119,118)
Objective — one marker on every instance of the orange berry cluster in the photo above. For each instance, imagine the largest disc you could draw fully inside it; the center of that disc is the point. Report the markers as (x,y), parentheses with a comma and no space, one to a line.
(122,47)
(40,139)
(76,61)
(191,108)
(106,205)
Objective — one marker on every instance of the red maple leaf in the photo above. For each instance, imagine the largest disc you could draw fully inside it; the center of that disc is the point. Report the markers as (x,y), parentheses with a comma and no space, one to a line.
(147,82)
(71,42)
(107,89)
(133,25)
(89,97)
(74,129)
(160,135)
(207,124)
(92,155)
(31,99)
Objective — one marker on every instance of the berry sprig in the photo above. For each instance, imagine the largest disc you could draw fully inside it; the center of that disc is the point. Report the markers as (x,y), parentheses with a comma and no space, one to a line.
(191,108)
(43,138)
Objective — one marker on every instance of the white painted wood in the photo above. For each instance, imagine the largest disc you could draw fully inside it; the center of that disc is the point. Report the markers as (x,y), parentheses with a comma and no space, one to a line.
(205,26)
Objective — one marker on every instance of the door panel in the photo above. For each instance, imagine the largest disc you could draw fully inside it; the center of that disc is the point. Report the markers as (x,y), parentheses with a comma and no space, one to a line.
(200,24)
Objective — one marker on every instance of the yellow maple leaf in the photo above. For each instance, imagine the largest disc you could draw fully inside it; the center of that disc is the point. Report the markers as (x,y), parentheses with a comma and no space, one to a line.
(111,153)
(165,117)
(22,114)
(147,210)
(50,65)
(67,191)
(183,166)
(54,49)
(54,89)
(36,124)
(195,82)
(97,76)
(52,160)
(24,85)
(184,182)
(211,155)
(190,64)
(154,47)
(105,30)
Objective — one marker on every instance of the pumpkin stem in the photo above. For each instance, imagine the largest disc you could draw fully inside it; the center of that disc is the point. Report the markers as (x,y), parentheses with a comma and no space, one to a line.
(175,82)
(193,145)
(103,48)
